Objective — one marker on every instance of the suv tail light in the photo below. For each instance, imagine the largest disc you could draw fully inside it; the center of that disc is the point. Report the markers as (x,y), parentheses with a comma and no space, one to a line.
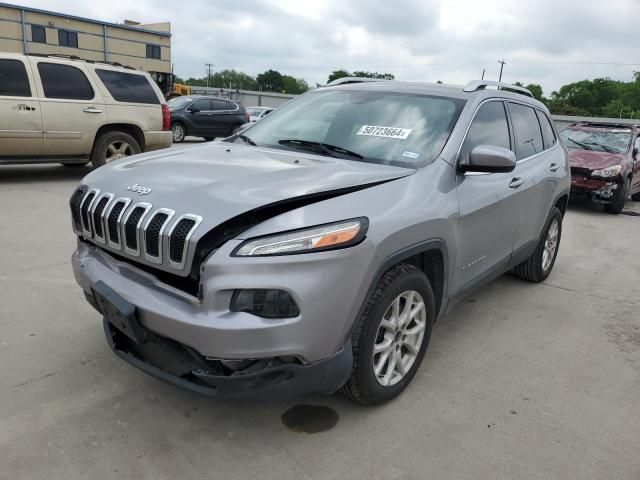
(247,118)
(166,117)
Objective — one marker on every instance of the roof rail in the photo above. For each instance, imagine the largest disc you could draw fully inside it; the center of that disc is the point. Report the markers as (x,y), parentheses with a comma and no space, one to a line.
(346,80)
(475,85)
(75,57)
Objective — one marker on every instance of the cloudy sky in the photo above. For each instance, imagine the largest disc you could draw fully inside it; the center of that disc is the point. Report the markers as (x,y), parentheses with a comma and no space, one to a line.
(550,42)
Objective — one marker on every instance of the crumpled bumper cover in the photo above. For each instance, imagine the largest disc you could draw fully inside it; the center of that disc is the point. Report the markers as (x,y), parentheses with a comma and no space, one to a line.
(175,363)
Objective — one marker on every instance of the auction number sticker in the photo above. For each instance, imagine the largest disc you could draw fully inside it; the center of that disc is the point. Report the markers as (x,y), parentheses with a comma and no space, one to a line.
(385,132)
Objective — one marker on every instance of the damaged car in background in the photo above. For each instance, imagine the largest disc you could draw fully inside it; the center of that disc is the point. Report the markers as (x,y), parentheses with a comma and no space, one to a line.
(313,251)
(604,163)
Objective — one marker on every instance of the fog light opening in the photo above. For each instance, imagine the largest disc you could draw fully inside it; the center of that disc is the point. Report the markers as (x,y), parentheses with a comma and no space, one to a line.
(264,303)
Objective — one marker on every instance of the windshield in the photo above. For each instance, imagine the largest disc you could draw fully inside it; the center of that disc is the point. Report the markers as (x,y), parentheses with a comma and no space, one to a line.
(180,102)
(375,127)
(599,140)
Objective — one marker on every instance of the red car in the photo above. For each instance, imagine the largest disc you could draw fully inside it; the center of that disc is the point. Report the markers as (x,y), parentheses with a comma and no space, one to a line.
(604,162)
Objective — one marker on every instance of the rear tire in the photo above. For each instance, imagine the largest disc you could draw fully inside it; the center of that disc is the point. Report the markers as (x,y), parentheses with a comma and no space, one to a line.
(619,197)
(112,146)
(377,330)
(539,265)
(178,131)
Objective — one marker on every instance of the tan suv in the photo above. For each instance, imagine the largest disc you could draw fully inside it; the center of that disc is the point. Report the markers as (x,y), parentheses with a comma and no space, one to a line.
(59,109)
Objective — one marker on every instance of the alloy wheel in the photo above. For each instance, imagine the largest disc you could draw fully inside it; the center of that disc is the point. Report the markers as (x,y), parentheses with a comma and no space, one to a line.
(118,149)
(550,245)
(178,132)
(399,338)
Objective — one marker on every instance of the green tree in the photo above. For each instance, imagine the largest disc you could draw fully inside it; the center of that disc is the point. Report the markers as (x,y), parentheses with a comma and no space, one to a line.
(233,79)
(293,85)
(270,81)
(336,74)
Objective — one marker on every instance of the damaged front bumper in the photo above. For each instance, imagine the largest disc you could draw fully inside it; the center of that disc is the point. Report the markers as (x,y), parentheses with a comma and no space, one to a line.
(171,361)
(597,190)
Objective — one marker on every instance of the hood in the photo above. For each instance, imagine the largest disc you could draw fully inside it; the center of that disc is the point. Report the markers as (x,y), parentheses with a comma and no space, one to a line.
(221,180)
(594,160)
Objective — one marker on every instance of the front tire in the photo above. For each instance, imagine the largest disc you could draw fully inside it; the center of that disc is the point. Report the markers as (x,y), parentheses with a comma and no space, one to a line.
(391,336)
(539,265)
(619,197)
(112,146)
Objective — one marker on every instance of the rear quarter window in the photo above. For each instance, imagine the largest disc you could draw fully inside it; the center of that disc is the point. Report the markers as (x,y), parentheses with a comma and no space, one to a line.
(64,81)
(548,135)
(14,81)
(128,87)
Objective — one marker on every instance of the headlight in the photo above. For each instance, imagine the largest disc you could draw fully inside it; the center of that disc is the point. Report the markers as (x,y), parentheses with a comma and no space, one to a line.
(324,237)
(608,172)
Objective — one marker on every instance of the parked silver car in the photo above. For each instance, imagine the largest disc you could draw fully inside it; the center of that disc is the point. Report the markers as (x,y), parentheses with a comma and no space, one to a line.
(315,250)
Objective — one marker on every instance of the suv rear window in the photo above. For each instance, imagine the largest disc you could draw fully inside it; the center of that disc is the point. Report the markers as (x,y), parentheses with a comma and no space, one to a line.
(527,130)
(64,81)
(128,87)
(548,134)
(13,79)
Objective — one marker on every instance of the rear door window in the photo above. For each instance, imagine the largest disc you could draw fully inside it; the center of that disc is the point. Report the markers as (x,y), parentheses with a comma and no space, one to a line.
(489,127)
(64,81)
(548,135)
(527,130)
(14,81)
(128,87)
(202,105)
(219,105)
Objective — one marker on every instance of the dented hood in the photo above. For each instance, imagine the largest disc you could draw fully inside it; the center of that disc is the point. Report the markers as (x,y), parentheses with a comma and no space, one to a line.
(221,180)
(593,160)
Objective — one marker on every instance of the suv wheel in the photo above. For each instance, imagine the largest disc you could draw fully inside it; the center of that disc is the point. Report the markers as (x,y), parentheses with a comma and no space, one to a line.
(619,197)
(391,336)
(539,265)
(178,131)
(112,146)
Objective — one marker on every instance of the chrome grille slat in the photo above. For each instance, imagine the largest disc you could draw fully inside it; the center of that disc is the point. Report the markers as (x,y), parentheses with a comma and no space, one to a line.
(134,229)
(153,234)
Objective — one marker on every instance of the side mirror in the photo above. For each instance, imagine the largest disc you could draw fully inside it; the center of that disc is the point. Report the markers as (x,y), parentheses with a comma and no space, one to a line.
(490,159)
(194,110)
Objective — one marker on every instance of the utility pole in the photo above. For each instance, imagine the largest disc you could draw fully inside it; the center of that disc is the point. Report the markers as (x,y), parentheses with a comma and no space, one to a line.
(501,62)
(208,65)
(482,78)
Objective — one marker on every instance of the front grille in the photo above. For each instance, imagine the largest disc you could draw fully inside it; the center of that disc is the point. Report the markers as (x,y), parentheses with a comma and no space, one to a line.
(112,221)
(74,203)
(152,234)
(131,228)
(178,239)
(97,216)
(135,231)
(84,213)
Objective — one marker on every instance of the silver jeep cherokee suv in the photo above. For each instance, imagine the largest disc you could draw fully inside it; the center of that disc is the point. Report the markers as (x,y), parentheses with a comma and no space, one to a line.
(315,250)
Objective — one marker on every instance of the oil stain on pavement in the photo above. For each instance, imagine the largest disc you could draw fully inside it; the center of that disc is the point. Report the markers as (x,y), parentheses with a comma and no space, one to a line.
(310,418)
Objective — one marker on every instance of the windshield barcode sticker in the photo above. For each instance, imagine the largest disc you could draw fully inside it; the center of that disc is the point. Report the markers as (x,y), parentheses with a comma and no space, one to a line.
(385,132)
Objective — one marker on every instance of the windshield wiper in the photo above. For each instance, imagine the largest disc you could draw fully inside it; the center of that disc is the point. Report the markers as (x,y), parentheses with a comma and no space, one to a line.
(246,139)
(580,144)
(325,148)
(604,147)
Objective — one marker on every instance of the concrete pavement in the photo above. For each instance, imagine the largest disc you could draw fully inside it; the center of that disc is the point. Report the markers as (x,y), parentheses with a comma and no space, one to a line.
(520,381)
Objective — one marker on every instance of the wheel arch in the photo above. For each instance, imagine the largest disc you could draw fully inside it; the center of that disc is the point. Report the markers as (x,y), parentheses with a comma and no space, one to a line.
(431,257)
(130,129)
(562,202)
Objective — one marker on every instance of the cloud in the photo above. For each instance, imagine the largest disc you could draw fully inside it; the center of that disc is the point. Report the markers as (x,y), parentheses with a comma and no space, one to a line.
(549,42)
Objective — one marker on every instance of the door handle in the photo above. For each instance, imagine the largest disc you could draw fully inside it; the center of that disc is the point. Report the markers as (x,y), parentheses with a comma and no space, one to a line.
(92,110)
(554,167)
(516,182)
